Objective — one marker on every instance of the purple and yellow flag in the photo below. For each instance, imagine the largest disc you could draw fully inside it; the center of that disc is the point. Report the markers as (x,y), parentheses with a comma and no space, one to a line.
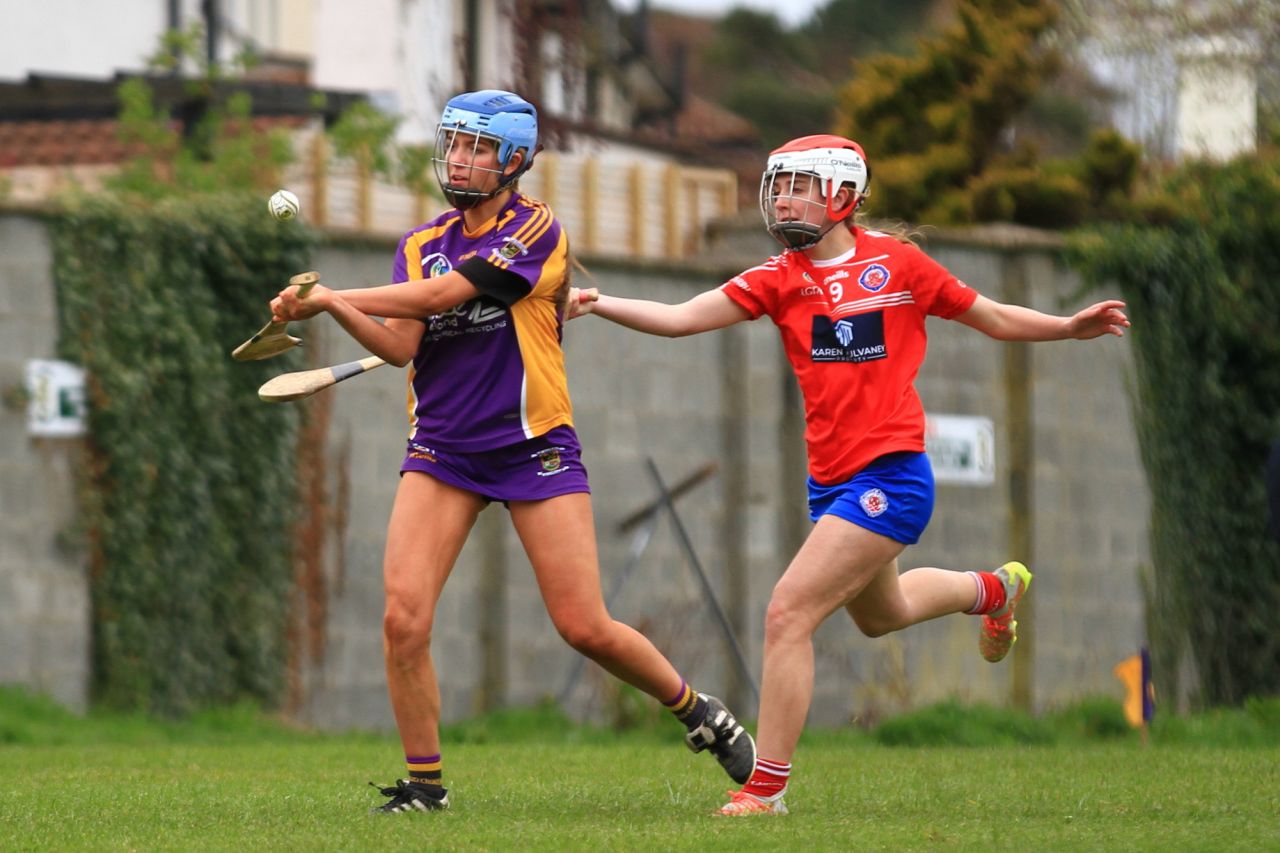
(1140,697)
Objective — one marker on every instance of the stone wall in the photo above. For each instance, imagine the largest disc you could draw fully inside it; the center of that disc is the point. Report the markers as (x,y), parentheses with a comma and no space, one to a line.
(1069,499)
(44,594)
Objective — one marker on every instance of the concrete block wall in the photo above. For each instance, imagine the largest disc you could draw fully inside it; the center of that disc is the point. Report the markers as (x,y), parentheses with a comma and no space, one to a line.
(725,399)
(44,592)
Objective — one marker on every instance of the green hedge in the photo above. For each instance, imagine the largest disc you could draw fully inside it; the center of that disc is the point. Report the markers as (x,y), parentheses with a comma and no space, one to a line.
(1204,294)
(188,482)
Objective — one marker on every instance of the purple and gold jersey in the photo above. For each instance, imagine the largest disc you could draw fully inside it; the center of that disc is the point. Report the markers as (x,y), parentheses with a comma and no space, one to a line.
(490,372)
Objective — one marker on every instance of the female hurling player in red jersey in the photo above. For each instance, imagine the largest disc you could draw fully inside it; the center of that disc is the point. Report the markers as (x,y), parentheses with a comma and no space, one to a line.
(475,309)
(851,304)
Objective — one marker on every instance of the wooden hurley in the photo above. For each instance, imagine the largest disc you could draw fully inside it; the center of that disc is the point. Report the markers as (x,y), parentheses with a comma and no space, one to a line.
(273,339)
(304,383)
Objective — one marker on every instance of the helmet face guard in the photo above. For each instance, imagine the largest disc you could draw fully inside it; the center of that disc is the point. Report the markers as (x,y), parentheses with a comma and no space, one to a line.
(829,163)
(503,119)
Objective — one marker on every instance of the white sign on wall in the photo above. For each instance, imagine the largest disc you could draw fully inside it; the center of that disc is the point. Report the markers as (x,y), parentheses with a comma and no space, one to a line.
(961,448)
(55,398)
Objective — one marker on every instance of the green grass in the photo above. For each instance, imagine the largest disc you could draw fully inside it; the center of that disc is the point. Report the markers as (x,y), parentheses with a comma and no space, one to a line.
(234,780)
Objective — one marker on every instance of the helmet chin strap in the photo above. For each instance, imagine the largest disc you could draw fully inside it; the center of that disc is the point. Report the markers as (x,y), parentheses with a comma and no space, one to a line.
(798,236)
(464,199)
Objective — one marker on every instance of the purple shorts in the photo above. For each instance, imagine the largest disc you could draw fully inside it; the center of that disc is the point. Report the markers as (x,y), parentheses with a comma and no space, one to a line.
(533,470)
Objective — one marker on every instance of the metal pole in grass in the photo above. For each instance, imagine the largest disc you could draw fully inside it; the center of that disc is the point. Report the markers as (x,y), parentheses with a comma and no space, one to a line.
(707,591)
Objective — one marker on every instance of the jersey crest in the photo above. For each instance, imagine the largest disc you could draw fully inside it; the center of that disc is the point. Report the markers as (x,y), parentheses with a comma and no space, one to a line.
(874,278)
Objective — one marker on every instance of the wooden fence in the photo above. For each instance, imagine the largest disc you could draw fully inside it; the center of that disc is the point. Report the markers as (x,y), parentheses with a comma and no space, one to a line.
(610,205)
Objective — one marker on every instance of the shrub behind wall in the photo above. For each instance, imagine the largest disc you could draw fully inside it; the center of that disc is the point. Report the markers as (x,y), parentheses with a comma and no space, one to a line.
(1203,290)
(188,484)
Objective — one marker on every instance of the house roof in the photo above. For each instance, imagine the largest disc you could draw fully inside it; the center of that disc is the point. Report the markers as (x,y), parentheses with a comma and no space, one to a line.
(48,120)
(679,41)
(67,142)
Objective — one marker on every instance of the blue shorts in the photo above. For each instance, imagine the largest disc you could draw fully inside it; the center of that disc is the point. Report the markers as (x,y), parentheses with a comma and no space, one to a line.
(533,470)
(892,496)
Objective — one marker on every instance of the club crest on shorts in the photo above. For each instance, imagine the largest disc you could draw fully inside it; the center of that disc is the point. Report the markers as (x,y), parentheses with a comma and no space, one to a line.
(874,502)
(550,461)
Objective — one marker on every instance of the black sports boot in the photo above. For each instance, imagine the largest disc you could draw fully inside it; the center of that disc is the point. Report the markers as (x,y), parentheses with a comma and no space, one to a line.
(409,796)
(729,742)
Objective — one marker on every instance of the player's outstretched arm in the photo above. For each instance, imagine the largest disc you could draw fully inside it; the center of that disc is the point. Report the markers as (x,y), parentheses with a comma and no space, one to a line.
(702,313)
(1017,323)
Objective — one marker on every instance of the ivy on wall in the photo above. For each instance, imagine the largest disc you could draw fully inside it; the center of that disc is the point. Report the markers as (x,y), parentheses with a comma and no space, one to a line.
(189,481)
(1203,290)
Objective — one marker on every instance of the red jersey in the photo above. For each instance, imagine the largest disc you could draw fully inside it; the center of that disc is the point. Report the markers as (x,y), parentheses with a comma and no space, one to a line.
(853,330)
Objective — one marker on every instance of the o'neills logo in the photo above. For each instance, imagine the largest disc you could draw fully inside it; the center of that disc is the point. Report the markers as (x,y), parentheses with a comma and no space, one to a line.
(836,276)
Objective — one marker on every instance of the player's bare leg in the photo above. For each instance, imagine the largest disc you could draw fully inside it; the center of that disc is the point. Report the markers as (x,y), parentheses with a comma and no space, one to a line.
(890,602)
(840,564)
(419,557)
(836,562)
(559,536)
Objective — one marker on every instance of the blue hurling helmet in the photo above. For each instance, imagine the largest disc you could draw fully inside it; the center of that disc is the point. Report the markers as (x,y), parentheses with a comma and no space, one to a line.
(502,117)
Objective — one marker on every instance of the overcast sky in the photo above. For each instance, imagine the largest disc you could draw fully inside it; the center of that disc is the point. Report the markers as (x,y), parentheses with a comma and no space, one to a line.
(790,12)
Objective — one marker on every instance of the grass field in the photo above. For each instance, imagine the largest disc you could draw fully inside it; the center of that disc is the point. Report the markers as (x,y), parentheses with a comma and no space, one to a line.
(235,781)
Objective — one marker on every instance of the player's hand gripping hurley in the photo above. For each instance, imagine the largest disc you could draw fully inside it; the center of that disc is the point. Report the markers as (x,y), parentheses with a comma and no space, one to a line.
(274,338)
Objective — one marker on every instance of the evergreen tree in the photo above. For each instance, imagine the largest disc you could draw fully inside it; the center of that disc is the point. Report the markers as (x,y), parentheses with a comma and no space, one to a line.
(932,122)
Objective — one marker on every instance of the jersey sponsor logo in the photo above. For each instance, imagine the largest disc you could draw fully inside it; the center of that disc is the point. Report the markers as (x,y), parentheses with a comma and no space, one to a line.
(478,315)
(740,282)
(850,339)
(436,265)
(874,278)
(811,290)
(844,332)
(838,275)
(873,502)
(475,311)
